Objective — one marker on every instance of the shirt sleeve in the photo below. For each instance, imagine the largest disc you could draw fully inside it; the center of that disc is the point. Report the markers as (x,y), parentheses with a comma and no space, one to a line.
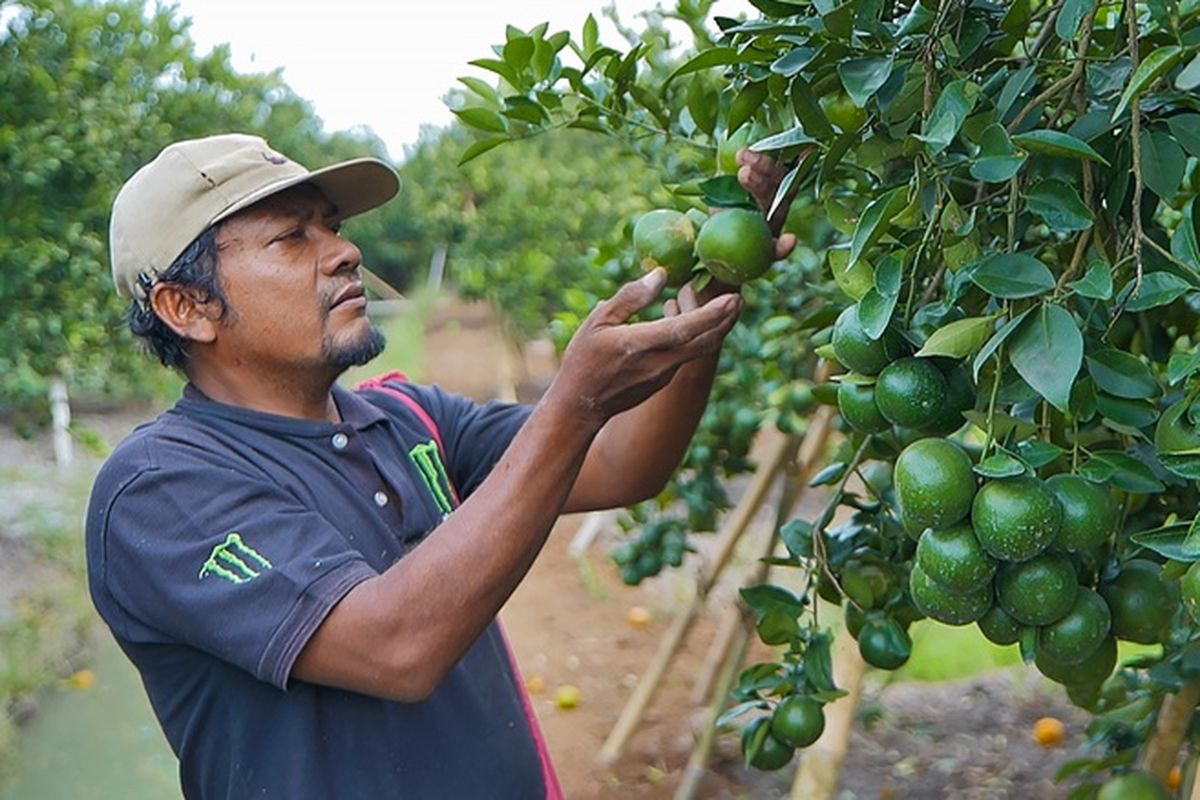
(185,550)
(475,435)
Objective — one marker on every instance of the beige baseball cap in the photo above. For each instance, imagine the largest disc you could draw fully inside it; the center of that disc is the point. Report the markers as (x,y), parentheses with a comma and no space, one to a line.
(193,184)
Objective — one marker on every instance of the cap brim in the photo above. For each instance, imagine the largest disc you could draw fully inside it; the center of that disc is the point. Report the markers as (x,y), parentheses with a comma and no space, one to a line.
(353,187)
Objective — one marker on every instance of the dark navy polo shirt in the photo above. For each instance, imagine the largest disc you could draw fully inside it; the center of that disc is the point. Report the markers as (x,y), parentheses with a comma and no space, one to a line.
(218,538)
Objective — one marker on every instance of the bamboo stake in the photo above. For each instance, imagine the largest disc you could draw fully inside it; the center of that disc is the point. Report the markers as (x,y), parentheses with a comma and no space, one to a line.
(697,766)
(732,529)
(1174,717)
(727,630)
(821,766)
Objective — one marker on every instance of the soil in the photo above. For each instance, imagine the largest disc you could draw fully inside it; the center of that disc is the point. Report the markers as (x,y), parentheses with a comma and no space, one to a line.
(568,625)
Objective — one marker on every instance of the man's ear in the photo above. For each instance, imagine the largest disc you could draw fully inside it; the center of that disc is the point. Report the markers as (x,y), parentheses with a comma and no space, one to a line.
(192,317)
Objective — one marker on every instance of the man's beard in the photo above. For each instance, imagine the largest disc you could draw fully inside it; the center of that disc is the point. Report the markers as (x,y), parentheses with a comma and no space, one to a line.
(342,356)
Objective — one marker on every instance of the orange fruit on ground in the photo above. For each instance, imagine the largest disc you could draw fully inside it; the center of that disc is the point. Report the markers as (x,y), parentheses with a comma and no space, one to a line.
(1049,732)
(82,680)
(638,617)
(534,684)
(1174,778)
(566,696)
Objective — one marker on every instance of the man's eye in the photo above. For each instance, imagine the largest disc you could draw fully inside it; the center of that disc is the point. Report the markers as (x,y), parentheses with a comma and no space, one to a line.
(336,227)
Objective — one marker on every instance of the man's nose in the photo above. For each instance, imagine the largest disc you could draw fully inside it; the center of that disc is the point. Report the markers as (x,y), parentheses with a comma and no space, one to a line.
(343,254)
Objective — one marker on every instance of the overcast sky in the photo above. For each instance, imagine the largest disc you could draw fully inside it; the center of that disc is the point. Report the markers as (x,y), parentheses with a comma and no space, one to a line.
(385,64)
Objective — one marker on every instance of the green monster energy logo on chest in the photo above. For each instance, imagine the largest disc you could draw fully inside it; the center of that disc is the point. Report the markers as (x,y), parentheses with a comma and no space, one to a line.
(235,561)
(428,460)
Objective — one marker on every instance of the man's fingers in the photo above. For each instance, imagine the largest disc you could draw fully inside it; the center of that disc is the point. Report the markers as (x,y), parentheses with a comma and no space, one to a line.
(677,331)
(671,308)
(687,298)
(784,246)
(634,296)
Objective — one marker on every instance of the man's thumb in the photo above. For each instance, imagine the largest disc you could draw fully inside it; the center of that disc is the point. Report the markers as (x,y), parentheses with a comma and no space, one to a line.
(636,295)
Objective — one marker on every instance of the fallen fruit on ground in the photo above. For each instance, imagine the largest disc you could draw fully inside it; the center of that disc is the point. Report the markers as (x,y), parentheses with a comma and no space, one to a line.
(567,696)
(1049,732)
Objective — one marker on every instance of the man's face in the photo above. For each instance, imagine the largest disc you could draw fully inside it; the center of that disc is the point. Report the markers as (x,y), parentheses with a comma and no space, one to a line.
(293,289)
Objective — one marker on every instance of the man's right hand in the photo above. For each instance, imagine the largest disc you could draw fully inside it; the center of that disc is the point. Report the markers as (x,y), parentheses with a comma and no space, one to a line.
(611,365)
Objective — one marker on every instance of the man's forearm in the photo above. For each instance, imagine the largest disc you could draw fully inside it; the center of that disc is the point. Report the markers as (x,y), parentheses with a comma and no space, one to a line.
(640,449)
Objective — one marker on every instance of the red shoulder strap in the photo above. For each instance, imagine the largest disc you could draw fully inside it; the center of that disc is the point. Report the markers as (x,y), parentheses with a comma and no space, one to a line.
(378,383)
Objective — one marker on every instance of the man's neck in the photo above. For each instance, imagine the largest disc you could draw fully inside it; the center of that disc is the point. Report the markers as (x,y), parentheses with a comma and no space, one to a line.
(305,395)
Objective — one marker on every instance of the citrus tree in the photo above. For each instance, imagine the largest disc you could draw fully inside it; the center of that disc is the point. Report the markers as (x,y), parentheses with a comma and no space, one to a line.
(90,91)
(1001,201)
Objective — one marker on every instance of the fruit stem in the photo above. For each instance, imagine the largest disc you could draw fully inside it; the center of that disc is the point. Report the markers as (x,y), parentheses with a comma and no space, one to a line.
(826,517)
(1174,719)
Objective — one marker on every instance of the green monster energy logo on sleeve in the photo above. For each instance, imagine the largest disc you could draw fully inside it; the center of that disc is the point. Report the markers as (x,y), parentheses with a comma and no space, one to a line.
(428,460)
(235,561)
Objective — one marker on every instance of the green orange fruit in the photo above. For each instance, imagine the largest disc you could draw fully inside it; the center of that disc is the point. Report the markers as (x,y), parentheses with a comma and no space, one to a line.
(884,643)
(1039,591)
(798,721)
(1077,634)
(1016,518)
(666,238)
(911,393)
(736,245)
(856,402)
(953,558)
(934,484)
(998,627)
(1189,588)
(858,351)
(1089,512)
(1142,603)
(1087,674)
(953,609)
(1133,786)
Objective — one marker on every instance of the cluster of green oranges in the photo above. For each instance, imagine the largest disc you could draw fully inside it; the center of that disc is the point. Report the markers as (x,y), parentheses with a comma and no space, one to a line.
(660,542)
(735,245)
(889,388)
(796,722)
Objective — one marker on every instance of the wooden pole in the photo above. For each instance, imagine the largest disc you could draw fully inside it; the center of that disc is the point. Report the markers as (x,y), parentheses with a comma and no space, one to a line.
(697,766)
(592,525)
(60,412)
(1174,718)
(732,528)
(727,630)
(821,766)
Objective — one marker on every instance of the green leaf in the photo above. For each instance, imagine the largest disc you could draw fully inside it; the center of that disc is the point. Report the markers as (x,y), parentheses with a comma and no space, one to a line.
(1130,414)
(1121,470)
(997,160)
(1012,276)
(794,60)
(785,186)
(703,106)
(1151,69)
(1182,365)
(753,736)
(797,538)
(1017,84)
(482,88)
(1179,541)
(1158,289)
(1122,374)
(501,68)
(959,339)
(793,137)
(809,111)
(1056,143)
(875,311)
(1163,163)
(830,474)
(525,110)
(873,223)
(1096,283)
(517,52)
(951,109)
(1000,465)
(1047,351)
(1189,78)
(776,8)
(862,77)
(1058,204)
(712,57)
(1069,17)
(725,191)
(1186,129)
(736,711)
(1016,19)
(918,17)
(1037,453)
(745,104)
(818,663)
(591,34)
(480,147)
(484,119)
(1185,242)
(768,597)
(994,343)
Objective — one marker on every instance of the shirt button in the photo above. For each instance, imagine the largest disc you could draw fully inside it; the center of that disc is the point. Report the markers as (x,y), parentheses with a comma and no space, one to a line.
(381,499)
(339,441)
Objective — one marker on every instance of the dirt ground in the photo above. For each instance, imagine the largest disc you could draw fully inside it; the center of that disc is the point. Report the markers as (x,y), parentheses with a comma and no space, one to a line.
(567,623)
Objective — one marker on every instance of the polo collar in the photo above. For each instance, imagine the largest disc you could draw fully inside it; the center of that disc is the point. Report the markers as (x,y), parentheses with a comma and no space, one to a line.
(356,413)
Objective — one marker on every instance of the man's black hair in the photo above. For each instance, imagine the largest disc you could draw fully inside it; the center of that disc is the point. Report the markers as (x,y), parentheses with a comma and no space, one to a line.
(194,271)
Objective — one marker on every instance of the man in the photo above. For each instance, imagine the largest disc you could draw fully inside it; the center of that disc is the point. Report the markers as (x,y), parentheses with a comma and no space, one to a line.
(287,562)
